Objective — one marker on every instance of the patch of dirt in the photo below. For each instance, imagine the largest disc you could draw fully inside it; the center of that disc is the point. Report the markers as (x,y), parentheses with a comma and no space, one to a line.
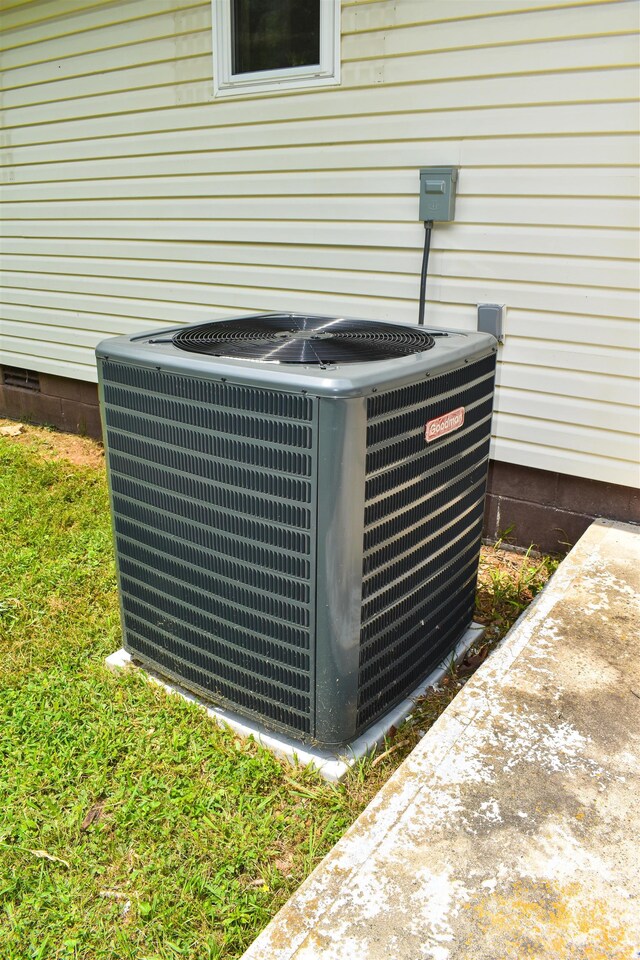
(508,580)
(510,560)
(51,445)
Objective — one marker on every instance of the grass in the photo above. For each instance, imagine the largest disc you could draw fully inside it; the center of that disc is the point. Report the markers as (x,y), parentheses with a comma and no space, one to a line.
(130,825)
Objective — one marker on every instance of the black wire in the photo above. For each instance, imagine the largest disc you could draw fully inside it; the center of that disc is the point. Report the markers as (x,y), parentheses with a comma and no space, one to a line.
(423,273)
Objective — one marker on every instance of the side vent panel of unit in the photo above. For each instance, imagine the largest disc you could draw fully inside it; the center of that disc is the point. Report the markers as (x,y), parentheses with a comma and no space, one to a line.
(214,511)
(424,509)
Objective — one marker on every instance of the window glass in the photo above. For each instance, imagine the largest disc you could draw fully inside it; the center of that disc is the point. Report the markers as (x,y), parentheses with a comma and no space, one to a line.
(260,46)
(274,34)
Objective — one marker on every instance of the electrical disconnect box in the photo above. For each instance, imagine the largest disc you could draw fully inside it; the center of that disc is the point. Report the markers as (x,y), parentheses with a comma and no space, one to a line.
(491,320)
(438,193)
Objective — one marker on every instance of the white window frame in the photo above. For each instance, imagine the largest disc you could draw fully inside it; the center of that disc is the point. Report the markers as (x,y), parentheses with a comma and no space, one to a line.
(327,73)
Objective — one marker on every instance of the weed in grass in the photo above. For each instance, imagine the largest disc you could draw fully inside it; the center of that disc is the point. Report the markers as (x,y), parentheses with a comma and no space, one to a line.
(131,826)
(507,583)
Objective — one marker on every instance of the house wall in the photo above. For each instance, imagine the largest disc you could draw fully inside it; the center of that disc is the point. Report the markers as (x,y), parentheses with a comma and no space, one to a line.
(134,200)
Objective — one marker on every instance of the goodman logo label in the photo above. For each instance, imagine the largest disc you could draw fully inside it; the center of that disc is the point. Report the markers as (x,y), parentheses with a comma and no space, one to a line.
(447,423)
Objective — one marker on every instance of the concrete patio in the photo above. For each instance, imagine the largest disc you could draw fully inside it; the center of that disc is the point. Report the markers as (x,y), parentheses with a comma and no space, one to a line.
(512,830)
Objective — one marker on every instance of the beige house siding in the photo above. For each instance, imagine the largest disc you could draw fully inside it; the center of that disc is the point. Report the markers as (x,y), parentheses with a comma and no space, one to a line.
(133,199)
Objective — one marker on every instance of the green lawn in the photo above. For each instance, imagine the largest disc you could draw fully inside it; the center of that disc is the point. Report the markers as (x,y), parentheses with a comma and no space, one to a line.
(130,825)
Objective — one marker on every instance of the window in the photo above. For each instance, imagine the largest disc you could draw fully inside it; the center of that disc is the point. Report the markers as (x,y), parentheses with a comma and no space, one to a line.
(262,45)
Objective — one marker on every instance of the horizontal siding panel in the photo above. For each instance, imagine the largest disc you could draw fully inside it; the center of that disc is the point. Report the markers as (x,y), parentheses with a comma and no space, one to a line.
(235,231)
(549,151)
(118,308)
(195,261)
(507,122)
(347,297)
(166,73)
(105,324)
(574,328)
(262,267)
(42,363)
(48,35)
(123,316)
(201,286)
(55,351)
(534,239)
(588,301)
(50,336)
(150,23)
(360,17)
(68,119)
(561,357)
(227,301)
(75,114)
(529,28)
(219,287)
(551,57)
(584,151)
(401,31)
(238,302)
(569,436)
(549,271)
(135,301)
(17,14)
(581,385)
(242,208)
(602,182)
(599,53)
(559,181)
(529,453)
(563,211)
(567,241)
(545,328)
(587,413)
(163,50)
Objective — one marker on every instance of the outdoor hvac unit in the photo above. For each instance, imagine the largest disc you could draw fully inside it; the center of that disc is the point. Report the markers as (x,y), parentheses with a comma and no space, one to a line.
(297,505)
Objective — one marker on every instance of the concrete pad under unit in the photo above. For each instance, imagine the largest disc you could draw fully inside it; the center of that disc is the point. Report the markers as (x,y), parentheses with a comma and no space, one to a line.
(511,831)
(332,765)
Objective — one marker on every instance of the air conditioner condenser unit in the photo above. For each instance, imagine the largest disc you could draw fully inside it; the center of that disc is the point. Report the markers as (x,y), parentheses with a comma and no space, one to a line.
(297,506)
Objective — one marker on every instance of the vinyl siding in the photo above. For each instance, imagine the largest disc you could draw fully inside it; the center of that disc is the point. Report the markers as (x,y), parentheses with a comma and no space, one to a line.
(132,199)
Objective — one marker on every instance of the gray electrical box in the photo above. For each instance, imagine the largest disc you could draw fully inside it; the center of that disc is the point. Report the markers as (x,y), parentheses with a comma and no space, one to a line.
(438,193)
(491,319)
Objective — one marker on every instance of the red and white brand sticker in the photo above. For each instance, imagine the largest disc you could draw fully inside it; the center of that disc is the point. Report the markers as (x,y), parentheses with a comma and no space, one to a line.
(447,423)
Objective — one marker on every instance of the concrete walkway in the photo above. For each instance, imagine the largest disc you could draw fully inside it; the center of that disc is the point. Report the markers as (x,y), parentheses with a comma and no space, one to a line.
(512,831)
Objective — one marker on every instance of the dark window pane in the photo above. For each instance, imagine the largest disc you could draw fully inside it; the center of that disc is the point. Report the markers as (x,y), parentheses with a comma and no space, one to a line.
(275,34)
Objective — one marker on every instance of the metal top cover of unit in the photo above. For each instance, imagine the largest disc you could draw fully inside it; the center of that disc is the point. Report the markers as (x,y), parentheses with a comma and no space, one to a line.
(430,351)
(297,338)
(289,541)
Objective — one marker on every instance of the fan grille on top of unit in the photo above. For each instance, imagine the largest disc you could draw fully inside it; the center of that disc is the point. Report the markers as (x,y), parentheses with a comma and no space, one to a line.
(292,338)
